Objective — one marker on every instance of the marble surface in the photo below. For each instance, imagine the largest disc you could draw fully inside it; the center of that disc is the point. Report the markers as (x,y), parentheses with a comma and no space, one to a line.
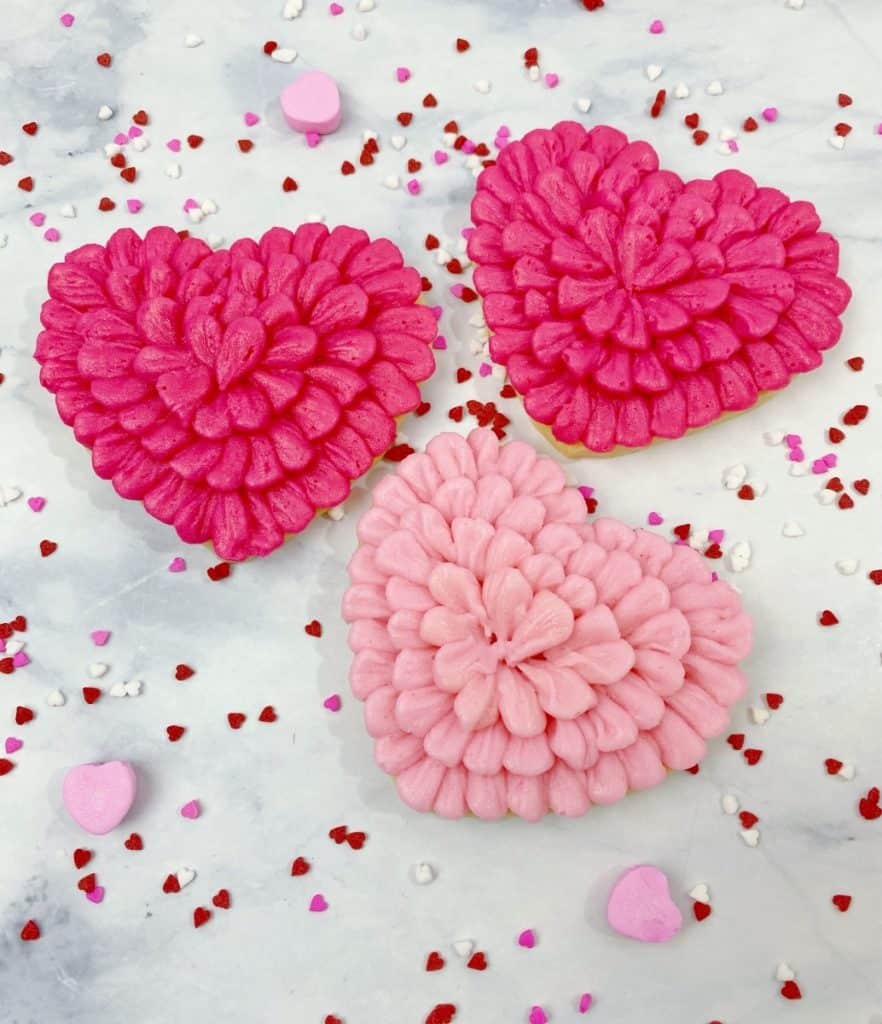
(271,792)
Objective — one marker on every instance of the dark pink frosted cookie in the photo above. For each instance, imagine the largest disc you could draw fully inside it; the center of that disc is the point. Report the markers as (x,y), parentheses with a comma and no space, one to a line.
(236,392)
(629,305)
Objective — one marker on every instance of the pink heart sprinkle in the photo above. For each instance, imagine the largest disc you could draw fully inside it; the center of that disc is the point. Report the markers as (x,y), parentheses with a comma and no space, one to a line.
(716,536)
(485,369)
(551,80)
(36,504)
(469,147)
(585,490)
(190,204)
(527,938)
(335,9)
(190,810)
(333,703)
(402,74)
(467,232)
(792,440)
(440,343)
(830,460)
(733,146)
(37,219)
(52,234)
(585,1001)
(503,131)
(500,142)
(318,904)
(67,20)
(657,27)
(538,1016)
(770,114)
(177,564)
(120,138)
(20,660)
(796,455)
(714,575)
(654,519)
(135,132)
(251,119)
(174,145)
(313,139)
(819,466)
(134,205)
(100,637)
(96,895)
(413,186)
(436,312)
(13,744)
(456,290)
(440,157)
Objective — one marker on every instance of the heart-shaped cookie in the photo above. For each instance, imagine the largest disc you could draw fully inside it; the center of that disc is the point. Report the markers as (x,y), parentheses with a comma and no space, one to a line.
(99,796)
(235,392)
(629,305)
(640,906)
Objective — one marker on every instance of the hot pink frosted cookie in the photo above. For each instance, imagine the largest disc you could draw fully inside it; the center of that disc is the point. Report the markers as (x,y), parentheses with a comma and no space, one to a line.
(235,392)
(513,656)
(629,305)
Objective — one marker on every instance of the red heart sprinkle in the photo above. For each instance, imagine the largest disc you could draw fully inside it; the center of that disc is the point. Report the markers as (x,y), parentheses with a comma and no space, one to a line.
(5,158)
(691,120)
(175,732)
(289,184)
(218,572)
(48,547)
(81,857)
(451,127)
(434,961)
(6,766)
(236,719)
(414,165)
(429,100)
(140,117)
(477,962)
(700,137)
(747,819)
(845,501)
(736,740)
(752,755)
(313,628)
(790,990)
(835,435)
(443,1013)
(774,700)
(91,694)
(745,492)
(592,5)
(468,295)
(194,141)
(398,452)
(841,902)
(531,56)
(87,883)
(869,805)
(300,866)
(827,618)
(694,770)
(856,363)
(183,672)
(332,1019)
(128,174)
(701,910)
(347,168)
(30,932)
(432,242)
(683,531)
(200,916)
(338,834)
(455,413)
(422,409)
(104,59)
(834,484)
(854,415)
(372,146)
(246,145)
(713,551)
(508,391)
(356,840)
(268,714)
(366,158)
(269,46)
(134,842)
(404,118)
(482,150)
(221,899)
(750,124)
(875,575)
(862,486)
(171,884)
(30,128)
(844,100)
(105,204)
(462,45)
(7,666)
(23,715)
(832,765)
(462,375)
(843,129)
(118,160)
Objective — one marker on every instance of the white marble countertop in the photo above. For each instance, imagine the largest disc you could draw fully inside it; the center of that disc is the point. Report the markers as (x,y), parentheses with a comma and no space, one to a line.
(266,799)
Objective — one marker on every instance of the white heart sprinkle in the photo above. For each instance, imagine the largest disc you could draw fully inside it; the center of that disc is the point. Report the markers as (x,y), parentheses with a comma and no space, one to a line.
(133,688)
(185,876)
(798,469)
(482,86)
(97,669)
(700,893)
(55,699)
(173,170)
(792,529)
(359,33)
(653,71)
(398,141)
(9,494)
(112,148)
(473,161)
(215,241)
(105,113)
(699,540)
(715,88)
(191,40)
(847,566)
(315,218)
(533,73)
(583,104)
(13,647)
(365,5)
(442,256)
(195,215)
(392,181)
(773,437)
(750,836)
(292,9)
(837,141)
(367,135)
(284,55)
(681,91)
(729,803)
(463,947)
(846,772)
(825,496)
(118,690)
(336,513)
(739,556)
(423,873)
(209,206)
(141,143)
(758,715)
(734,476)
(726,134)
(784,972)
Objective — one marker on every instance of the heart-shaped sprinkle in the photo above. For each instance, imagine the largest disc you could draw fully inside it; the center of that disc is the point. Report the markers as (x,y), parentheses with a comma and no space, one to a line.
(91,694)
(441,1013)
(250,119)
(174,145)
(87,883)
(832,765)
(586,1001)
(81,857)
(861,486)
(300,866)
(477,962)
(171,884)
(200,916)
(175,732)
(434,961)
(23,715)
(868,806)
(47,548)
(753,756)
(747,819)
(185,876)
(236,719)
(183,672)
(527,938)
(313,628)
(338,834)
(773,700)
(134,842)
(701,910)
(640,906)
(356,839)
(177,564)
(218,572)
(99,796)
(96,895)
(13,745)
(221,899)
(30,932)
(827,618)
(191,810)
(790,990)
(736,740)
(311,103)
(842,902)
(100,637)
(268,714)
(318,904)
(333,703)
(36,504)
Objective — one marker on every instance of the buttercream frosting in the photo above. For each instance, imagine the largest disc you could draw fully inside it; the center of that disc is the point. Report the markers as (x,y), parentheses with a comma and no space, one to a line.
(628,304)
(514,657)
(235,392)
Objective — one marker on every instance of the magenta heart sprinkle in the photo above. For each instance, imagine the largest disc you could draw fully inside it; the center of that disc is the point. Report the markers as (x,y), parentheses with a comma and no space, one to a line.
(13,744)
(656,27)
(135,132)
(174,145)
(716,536)
(120,138)
(100,637)
(66,19)
(134,205)
(96,895)
(585,1001)
(313,139)
(251,119)
(551,80)
(527,938)
(440,343)
(413,186)
(177,564)
(770,114)
(20,660)
(52,234)
(333,703)
(402,74)
(654,519)
(36,504)
(440,157)
(538,1015)
(318,904)
(335,9)
(819,466)
(37,219)
(485,369)
(191,810)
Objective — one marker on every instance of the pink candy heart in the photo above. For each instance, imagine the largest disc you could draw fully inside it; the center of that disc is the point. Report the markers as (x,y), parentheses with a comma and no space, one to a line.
(13,744)
(318,904)
(120,138)
(402,74)
(656,27)
(52,234)
(134,205)
(640,906)
(177,564)
(413,186)
(251,119)
(585,1002)
(311,103)
(174,145)
(527,938)
(67,20)
(333,703)
(335,9)
(37,219)
(191,810)
(537,1015)
(96,895)
(313,139)
(654,519)
(36,504)
(99,796)
(440,157)
(100,637)
(135,132)
(20,660)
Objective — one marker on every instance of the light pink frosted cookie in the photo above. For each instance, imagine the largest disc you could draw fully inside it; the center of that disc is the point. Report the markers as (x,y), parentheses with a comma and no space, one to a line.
(236,392)
(513,656)
(629,305)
